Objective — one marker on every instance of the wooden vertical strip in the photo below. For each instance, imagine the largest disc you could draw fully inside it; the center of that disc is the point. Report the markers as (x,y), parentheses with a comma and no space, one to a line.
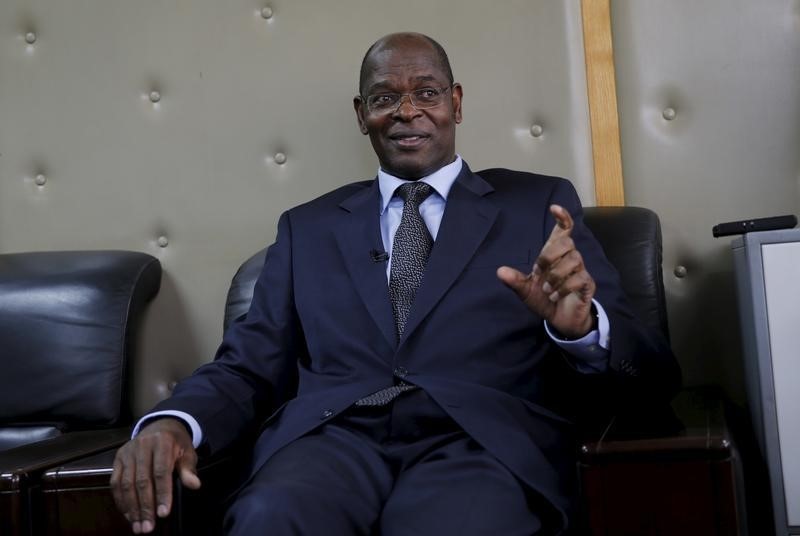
(602,90)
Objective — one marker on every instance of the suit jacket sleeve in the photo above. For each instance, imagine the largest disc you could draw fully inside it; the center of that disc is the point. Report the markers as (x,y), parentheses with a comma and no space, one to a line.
(255,368)
(642,368)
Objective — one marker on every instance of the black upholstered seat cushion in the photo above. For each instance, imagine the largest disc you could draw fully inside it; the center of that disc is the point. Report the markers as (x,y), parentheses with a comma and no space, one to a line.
(15,436)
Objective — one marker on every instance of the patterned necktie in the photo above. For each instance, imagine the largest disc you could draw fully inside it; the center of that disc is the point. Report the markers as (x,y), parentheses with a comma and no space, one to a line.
(410,250)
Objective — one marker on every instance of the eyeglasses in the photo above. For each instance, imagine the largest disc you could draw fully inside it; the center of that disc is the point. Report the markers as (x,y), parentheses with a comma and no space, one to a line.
(421,99)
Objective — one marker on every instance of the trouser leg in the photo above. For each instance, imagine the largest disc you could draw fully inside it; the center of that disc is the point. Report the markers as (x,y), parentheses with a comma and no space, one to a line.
(459,488)
(404,469)
(448,483)
(332,481)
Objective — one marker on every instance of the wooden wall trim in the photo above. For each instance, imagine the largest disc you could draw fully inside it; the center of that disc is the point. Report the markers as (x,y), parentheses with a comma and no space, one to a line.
(602,90)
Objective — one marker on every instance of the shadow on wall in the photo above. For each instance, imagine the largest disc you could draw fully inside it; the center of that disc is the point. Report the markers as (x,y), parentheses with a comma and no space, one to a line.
(705,327)
(170,349)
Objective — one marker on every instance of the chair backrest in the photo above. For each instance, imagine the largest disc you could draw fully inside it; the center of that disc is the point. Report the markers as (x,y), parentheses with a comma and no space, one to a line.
(240,293)
(631,239)
(630,236)
(67,329)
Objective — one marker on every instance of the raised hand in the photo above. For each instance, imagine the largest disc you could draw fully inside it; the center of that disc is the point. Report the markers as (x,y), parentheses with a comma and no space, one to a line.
(559,288)
(142,479)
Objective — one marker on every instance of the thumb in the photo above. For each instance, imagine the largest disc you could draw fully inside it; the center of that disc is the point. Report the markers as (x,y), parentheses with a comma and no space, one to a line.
(187,470)
(514,279)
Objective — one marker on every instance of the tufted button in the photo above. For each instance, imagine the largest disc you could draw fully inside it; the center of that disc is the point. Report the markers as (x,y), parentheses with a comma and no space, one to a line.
(155,96)
(162,241)
(40,180)
(30,38)
(171,385)
(280,158)
(326,414)
(163,389)
(668,114)
(266,13)
(680,271)
(537,131)
(401,372)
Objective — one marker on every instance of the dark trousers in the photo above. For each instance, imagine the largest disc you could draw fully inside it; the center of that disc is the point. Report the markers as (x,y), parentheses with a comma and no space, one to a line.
(401,469)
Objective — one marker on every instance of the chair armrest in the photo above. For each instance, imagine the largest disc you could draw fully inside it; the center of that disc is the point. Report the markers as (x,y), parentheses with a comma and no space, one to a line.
(693,425)
(674,470)
(29,460)
(21,470)
(75,498)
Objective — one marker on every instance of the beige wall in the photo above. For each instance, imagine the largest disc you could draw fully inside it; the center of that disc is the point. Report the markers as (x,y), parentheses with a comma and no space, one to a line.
(730,72)
(197,168)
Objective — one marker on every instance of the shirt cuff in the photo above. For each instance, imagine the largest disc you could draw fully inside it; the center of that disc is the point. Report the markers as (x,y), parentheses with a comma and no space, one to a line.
(591,350)
(191,422)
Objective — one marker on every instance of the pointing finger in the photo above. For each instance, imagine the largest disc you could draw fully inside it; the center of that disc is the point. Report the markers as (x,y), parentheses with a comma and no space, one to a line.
(558,243)
(563,219)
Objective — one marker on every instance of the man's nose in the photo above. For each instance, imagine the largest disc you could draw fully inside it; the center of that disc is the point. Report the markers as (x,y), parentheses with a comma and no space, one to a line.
(405,108)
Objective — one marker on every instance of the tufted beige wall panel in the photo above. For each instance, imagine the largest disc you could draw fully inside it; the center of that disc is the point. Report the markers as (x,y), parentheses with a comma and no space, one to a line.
(709,104)
(183,128)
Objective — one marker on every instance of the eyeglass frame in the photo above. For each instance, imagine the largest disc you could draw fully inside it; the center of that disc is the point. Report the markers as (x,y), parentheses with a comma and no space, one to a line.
(365,99)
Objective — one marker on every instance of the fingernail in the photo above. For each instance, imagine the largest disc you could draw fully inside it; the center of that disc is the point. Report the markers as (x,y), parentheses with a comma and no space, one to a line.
(162,510)
(547,288)
(536,269)
(147,526)
(137,527)
(554,296)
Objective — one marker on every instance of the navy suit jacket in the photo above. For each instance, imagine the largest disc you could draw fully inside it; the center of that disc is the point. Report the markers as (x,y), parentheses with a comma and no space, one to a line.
(320,334)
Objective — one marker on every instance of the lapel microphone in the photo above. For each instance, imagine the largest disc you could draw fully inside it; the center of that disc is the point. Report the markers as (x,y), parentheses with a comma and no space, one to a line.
(378,256)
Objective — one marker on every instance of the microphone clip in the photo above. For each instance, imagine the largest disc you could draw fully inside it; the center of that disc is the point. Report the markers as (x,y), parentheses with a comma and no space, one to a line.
(378,256)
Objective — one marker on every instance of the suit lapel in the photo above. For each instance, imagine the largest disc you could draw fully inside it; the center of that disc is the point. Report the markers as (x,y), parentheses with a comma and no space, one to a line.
(360,234)
(467,218)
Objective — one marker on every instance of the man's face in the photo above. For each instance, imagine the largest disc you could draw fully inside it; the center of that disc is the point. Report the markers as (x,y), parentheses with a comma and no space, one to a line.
(410,143)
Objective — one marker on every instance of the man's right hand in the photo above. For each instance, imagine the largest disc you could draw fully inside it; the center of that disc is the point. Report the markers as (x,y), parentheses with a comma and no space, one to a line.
(142,479)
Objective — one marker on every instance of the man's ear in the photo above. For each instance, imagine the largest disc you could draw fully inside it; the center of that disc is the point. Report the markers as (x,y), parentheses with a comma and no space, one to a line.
(458,94)
(357,106)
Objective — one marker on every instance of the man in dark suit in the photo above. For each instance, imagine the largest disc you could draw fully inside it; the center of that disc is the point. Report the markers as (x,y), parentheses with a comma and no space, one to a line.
(407,361)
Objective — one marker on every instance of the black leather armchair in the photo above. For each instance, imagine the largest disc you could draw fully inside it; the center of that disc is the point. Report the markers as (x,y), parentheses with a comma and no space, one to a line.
(671,469)
(67,329)
(626,445)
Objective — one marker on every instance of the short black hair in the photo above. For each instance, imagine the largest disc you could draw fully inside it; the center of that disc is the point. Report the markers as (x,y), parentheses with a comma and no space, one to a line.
(441,55)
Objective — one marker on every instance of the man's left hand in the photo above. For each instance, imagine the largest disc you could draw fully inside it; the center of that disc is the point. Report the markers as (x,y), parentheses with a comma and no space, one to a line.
(559,288)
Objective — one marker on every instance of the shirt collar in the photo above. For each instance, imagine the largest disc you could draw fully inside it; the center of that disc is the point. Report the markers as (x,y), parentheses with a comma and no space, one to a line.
(441,180)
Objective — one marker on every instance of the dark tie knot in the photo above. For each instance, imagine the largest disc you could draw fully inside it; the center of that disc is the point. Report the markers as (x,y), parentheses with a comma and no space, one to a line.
(414,192)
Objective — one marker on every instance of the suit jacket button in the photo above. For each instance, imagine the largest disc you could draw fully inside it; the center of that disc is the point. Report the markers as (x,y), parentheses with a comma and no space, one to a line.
(401,372)
(327,413)
(628,368)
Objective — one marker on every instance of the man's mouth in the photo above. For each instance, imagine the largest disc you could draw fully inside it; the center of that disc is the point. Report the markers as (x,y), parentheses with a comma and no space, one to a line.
(409,139)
